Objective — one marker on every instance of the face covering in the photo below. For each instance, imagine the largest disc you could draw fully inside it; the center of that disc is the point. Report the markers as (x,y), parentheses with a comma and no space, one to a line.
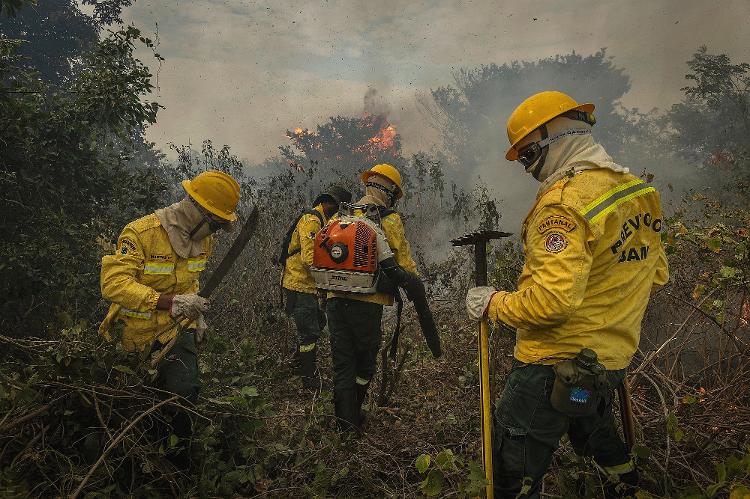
(380,191)
(185,226)
(570,148)
(534,155)
(201,231)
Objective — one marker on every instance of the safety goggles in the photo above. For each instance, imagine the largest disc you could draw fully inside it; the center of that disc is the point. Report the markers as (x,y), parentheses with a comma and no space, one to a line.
(530,154)
(214,223)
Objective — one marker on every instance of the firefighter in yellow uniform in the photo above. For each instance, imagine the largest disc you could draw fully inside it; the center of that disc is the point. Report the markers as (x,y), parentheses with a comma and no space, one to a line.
(300,295)
(593,255)
(152,279)
(354,320)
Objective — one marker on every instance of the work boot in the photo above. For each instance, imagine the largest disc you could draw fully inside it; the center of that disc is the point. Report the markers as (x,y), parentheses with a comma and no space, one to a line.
(361,398)
(347,409)
(624,486)
(295,362)
(182,427)
(308,369)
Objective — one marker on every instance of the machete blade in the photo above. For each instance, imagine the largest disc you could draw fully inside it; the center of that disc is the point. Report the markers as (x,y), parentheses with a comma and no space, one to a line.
(234,251)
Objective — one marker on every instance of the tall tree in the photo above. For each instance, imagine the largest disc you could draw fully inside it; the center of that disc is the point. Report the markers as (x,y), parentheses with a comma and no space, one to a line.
(56,33)
(69,178)
(711,125)
(339,149)
(471,113)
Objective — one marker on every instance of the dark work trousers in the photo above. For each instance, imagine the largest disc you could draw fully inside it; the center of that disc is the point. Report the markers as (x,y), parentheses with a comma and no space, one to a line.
(303,308)
(178,373)
(527,431)
(355,341)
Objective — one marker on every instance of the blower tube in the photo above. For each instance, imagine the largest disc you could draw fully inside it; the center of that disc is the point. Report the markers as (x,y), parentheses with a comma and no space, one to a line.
(415,292)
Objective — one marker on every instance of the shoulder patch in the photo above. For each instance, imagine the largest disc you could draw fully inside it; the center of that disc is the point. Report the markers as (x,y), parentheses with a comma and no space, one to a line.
(557,222)
(126,246)
(145,223)
(555,242)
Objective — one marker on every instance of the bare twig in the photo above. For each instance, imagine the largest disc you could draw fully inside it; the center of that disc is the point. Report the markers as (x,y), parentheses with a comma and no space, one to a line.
(116,441)
(25,418)
(656,352)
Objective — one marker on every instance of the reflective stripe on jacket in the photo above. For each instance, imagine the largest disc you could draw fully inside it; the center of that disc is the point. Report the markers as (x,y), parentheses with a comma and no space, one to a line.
(393,228)
(144,266)
(297,269)
(593,254)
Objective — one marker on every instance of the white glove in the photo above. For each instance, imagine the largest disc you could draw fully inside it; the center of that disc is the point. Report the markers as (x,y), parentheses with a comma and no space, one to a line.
(190,305)
(477,301)
(200,329)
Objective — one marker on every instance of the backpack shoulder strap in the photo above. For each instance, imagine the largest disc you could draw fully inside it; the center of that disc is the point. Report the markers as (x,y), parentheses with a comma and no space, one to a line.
(311,212)
(384,212)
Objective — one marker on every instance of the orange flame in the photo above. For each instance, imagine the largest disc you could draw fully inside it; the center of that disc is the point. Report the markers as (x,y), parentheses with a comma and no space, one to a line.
(384,139)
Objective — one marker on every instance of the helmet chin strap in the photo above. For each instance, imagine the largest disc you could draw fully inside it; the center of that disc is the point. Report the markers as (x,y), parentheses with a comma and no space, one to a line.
(199,224)
(540,163)
(391,194)
(205,219)
(197,228)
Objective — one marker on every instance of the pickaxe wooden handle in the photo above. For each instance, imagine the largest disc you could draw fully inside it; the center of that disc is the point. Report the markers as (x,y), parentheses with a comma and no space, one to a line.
(626,412)
(479,240)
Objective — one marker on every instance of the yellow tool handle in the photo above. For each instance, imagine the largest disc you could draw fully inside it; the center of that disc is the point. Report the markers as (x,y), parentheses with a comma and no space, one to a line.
(484,391)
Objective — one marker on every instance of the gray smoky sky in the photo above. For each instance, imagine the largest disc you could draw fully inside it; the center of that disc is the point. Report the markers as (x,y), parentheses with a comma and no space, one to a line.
(243,72)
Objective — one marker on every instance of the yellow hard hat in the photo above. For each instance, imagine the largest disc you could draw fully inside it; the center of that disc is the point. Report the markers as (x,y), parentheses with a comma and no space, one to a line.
(387,171)
(216,191)
(535,112)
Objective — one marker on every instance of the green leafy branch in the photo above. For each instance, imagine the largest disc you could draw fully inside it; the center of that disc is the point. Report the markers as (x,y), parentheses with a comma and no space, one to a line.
(436,470)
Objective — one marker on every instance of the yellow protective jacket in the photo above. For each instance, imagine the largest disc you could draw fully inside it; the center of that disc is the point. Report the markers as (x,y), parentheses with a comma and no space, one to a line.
(393,228)
(143,267)
(593,254)
(297,275)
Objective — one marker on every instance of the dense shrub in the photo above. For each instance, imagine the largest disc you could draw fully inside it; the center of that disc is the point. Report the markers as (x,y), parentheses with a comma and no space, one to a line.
(74,168)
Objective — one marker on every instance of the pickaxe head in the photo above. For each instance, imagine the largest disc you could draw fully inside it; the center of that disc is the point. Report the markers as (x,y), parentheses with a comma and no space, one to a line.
(479,240)
(478,237)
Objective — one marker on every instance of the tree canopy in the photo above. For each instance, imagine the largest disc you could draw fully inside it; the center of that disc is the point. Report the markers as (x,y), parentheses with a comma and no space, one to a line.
(74,168)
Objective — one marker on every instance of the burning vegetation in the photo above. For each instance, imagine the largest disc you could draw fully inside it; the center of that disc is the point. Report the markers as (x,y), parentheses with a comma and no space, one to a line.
(367,140)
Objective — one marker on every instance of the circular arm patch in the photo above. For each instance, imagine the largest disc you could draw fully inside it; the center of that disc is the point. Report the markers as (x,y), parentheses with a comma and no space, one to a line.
(555,242)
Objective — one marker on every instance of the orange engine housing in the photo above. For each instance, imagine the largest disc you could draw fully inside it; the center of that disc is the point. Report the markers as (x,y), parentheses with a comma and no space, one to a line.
(349,246)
